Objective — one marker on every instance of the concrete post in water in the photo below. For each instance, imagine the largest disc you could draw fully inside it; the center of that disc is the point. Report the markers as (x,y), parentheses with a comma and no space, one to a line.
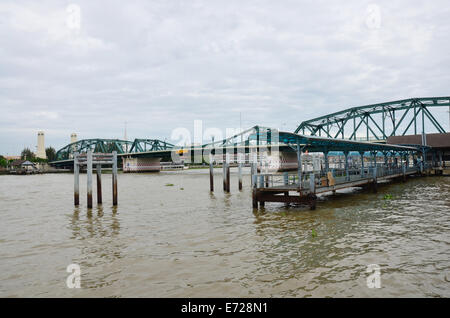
(240,160)
(224,168)
(76,179)
(114,178)
(299,169)
(254,200)
(228,177)
(89,179)
(99,183)
(211,173)
(240,174)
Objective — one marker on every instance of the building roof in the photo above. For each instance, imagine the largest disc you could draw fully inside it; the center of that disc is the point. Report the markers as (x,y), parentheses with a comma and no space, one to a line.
(22,163)
(433,140)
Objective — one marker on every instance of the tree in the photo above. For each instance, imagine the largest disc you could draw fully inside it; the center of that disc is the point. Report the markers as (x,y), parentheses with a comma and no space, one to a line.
(27,154)
(3,161)
(51,153)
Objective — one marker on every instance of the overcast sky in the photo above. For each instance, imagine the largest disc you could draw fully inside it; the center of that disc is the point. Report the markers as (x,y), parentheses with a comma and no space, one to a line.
(160,65)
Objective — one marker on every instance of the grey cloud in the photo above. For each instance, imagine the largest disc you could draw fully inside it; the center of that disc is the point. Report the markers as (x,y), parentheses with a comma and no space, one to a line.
(162,64)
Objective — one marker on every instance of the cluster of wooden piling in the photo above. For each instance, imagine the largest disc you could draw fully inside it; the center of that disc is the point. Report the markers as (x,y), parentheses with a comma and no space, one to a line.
(226,174)
(89,160)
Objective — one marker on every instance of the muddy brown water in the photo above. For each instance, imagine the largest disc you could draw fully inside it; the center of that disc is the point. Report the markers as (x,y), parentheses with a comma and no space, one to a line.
(183,241)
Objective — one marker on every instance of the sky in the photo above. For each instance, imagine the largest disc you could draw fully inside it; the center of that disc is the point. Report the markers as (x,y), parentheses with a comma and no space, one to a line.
(94,67)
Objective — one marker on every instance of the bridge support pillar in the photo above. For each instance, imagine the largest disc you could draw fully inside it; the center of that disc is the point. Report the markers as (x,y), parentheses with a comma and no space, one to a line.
(99,183)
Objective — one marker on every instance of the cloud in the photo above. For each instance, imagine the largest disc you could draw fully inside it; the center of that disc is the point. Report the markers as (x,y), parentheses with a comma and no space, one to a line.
(163,64)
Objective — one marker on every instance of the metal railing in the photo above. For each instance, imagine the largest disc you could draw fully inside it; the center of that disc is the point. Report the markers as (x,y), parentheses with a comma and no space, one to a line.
(317,179)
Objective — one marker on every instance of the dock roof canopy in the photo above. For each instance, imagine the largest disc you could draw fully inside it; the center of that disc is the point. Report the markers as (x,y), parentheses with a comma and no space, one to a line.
(322,144)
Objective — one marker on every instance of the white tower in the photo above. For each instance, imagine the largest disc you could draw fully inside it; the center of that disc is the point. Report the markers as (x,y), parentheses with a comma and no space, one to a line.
(41,146)
(73,138)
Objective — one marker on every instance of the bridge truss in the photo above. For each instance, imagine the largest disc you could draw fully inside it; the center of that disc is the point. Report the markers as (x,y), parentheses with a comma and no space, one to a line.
(378,121)
(110,145)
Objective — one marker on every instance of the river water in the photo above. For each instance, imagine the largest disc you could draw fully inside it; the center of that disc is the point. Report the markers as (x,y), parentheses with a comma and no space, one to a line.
(182,241)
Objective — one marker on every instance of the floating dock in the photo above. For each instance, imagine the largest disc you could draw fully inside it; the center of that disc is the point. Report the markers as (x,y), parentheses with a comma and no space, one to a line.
(397,162)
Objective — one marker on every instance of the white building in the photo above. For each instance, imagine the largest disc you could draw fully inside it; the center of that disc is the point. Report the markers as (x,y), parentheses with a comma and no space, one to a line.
(41,146)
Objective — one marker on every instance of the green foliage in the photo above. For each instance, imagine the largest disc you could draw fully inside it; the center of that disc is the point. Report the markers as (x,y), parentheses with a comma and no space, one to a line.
(313,233)
(27,154)
(169,184)
(388,197)
(3,162)
(51,153)
(39,160)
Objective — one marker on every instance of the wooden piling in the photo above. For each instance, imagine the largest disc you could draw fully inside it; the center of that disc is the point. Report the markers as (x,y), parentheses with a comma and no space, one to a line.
(254,199)
(89,179)
(76,180)
(211,175)
(240,174)
(224,168)
(228,178)
(99,183)
(114,178)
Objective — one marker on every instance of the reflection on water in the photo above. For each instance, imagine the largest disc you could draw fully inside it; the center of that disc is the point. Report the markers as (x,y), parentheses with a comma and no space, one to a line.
(185,241)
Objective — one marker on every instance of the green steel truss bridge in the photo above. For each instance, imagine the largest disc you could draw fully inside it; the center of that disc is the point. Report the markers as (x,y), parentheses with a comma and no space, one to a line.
(377,122)
(110,145)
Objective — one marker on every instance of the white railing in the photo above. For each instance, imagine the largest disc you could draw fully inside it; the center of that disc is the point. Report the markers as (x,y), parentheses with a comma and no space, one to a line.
(318,179)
